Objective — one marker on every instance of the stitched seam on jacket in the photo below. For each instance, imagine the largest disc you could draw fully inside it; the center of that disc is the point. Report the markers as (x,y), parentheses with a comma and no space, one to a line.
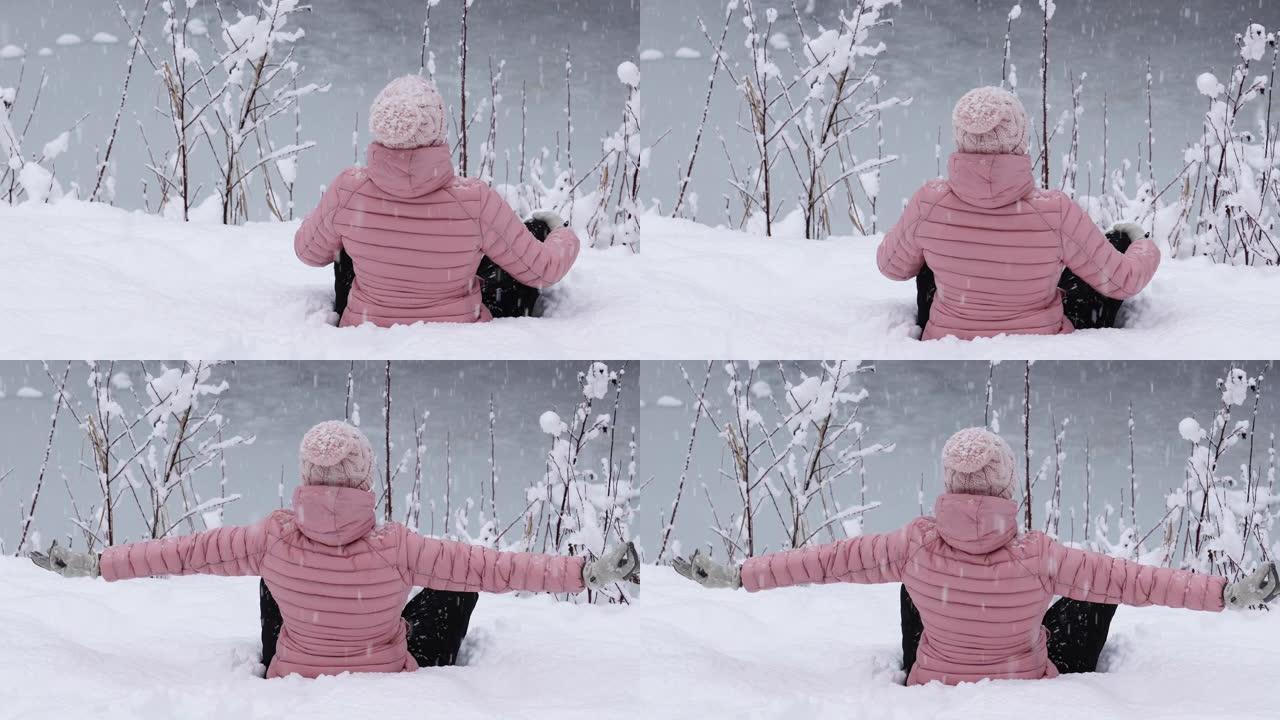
(341,205)
(448,190)
(236,558)
(911,230)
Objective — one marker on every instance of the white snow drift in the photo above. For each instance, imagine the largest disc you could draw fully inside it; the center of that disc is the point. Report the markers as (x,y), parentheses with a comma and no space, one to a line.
(188,647)
(87,279)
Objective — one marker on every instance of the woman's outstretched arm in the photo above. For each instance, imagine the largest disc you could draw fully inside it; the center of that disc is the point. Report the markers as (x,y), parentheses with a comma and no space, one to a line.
(1094,577)
(507,242)
(1088,253)
(865,559)
(448,565)
(317,242)
(224,551)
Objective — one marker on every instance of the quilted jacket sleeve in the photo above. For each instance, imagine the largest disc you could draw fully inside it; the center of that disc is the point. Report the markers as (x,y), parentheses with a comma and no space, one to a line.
(447,565)
(1086,251)
(317,241)
(1094,577)
(224,551)
(900,256)
(507,242)
(865,559)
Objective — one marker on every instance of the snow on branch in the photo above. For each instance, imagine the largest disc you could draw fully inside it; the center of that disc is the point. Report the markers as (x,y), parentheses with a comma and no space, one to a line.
(796,450)
(804,121)
(156,441)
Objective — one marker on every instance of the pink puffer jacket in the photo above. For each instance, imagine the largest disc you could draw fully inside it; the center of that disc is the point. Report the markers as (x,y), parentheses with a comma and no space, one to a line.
(340,582)
(997,246)
(416,234)
(982,589)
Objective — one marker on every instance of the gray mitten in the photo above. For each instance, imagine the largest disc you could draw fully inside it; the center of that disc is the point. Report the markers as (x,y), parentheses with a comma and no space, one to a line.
(67,563)
(549,217)
(707,572)
(619,564)
(1258,588)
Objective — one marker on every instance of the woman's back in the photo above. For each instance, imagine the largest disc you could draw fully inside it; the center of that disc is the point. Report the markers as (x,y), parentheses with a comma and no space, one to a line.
(992,242)
(979,592)
(997,244)
(338,584)
(416,233)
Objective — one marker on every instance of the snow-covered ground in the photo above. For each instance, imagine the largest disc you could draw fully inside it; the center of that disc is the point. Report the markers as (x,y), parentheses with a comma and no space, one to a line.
(93,280)
(187,647)
(738,296)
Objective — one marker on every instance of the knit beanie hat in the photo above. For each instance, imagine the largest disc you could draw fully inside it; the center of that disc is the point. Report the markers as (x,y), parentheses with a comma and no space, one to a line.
(976,461)
(408,113)
(337,454)
(990,120)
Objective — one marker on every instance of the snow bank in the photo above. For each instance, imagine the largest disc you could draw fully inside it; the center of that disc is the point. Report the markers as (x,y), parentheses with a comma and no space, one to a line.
(96,280)
(835,652)
(188,647)
(160,288)
(730,294)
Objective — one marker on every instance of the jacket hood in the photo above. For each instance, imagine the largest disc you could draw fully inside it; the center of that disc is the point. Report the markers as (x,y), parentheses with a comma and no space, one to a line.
(332,515)
(976,524)
(412,172)
(990,181)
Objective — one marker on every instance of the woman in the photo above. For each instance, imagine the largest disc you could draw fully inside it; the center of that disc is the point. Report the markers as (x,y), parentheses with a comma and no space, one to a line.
(340,579)
(996,244)
(414,231)
(982,587)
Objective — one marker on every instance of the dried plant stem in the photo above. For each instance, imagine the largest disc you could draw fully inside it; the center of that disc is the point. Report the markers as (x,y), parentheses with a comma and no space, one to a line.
(1026,441)
(700,400)
(30,514)
(386,416)
(124,95)
(1044,101)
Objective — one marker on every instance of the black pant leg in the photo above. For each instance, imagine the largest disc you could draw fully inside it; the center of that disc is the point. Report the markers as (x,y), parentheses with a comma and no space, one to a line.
(926,289)
(344,275)
(438,621)
(1077,633)
(912,630)
(501,293)
(272,621)
(1086,308)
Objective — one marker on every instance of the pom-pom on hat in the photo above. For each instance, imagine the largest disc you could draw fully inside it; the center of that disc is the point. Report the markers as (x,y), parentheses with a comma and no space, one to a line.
(337,454)
(976,461)
(990,120)
(408,113)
